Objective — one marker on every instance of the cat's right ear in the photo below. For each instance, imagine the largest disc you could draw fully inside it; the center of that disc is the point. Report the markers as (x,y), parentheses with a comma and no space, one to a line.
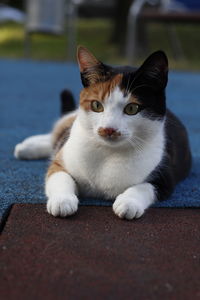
(154,70)
(91,69)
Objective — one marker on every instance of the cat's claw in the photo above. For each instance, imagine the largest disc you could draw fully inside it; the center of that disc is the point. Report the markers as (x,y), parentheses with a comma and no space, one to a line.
(62,205)
(127,207)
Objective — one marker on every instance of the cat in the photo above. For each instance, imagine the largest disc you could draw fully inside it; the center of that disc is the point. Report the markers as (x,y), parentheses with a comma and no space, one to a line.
(122,143)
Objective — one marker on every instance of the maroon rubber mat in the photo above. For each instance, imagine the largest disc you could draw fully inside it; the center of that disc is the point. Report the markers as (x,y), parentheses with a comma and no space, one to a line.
(95,255)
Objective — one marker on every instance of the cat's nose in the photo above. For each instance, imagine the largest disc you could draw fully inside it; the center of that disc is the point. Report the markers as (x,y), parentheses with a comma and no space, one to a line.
(109,131)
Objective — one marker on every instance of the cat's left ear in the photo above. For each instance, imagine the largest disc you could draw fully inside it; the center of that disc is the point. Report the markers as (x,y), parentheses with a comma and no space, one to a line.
(92,70)
(155,70)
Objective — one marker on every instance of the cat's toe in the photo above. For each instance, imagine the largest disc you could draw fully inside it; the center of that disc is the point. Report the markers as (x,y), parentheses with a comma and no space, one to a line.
(62,206)
(127,208)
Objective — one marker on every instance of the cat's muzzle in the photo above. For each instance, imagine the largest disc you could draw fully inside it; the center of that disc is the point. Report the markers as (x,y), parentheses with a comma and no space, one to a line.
(109,133)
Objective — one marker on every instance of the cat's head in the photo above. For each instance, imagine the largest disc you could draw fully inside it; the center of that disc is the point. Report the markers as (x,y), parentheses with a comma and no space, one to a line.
(122,104)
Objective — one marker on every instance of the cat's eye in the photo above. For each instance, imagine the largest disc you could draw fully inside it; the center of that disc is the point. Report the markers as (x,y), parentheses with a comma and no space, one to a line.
(96,106)
(131,109)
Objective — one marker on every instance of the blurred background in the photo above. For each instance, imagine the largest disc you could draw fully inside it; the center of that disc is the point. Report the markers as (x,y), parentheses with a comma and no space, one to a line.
(116,31)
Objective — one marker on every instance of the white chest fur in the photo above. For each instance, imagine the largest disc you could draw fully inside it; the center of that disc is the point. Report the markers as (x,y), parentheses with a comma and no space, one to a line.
(103,171)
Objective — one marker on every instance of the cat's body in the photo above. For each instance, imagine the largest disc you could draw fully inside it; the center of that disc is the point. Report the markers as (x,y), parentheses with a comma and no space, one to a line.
(121,143)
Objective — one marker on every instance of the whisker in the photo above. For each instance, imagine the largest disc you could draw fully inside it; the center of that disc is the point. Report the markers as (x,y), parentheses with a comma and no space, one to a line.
(135,145)
(139,139)
(134,80)
(127,88)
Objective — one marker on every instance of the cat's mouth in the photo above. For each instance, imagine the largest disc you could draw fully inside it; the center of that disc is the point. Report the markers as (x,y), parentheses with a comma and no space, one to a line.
(111,141)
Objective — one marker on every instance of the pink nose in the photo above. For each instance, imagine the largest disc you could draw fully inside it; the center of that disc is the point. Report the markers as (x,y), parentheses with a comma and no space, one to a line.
(109,131)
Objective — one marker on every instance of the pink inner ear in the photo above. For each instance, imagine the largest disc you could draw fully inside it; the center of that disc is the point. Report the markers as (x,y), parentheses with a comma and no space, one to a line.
(86,59)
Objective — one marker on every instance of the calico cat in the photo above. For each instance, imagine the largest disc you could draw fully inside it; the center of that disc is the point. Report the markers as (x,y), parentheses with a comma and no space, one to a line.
(122,143)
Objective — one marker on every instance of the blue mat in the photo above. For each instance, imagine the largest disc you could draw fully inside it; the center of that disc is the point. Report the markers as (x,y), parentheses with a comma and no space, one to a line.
(29,104)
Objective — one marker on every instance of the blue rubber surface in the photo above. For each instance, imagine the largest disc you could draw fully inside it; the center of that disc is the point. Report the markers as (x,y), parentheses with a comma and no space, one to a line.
(29,104)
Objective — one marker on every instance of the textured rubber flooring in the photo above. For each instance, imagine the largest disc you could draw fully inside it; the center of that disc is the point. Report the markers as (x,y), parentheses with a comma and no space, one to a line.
(95,255)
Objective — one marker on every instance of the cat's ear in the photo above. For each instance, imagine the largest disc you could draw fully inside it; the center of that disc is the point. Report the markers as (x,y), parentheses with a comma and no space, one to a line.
(86,59)
(92,70)
(155,70)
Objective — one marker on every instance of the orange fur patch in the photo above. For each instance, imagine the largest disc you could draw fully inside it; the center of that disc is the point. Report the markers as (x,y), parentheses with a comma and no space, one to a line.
(61,131)
(56,165)
(99,91)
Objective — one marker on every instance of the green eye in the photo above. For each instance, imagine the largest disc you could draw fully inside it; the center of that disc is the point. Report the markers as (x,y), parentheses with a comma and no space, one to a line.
(131,109)
(96,106)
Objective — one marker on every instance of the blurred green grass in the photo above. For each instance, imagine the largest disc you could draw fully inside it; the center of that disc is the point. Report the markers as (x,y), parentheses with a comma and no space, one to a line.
(96,35)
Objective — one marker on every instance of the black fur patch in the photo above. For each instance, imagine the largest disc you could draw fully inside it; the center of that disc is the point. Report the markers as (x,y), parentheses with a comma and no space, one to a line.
(177,159)
(148,84)
(67,102)
(152,99)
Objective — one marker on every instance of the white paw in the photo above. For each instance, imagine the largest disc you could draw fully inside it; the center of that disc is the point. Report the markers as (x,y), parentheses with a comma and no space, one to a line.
(62,205)
(127,207)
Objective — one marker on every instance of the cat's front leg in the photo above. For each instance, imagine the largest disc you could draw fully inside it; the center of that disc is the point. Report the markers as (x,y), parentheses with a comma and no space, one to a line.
(61,191)
(134,201)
